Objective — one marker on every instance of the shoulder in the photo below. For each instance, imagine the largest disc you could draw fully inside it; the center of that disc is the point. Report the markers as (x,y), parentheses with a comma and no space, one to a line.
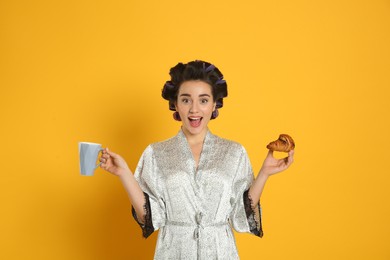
(230,144)
(162,146)
(158,150)
(164,143)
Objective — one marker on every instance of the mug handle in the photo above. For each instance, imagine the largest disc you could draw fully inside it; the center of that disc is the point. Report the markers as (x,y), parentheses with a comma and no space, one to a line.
(101,150)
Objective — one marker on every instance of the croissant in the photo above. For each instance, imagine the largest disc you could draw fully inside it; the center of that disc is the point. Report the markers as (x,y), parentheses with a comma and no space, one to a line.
(284,144)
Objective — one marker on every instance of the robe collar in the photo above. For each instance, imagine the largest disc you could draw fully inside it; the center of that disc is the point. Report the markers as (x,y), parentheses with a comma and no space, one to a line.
(205,155)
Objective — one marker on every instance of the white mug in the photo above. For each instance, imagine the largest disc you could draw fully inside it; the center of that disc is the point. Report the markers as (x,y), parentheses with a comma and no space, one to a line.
(89,153)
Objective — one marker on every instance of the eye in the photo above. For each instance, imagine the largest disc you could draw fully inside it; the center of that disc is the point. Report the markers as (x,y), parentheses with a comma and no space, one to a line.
(185,100)
(204,101)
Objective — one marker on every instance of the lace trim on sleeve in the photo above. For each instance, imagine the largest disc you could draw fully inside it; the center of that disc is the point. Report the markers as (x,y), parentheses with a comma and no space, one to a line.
(253,215)
(147,227)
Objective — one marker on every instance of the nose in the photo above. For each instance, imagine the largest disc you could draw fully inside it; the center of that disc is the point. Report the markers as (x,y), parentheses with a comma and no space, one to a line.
(194,107)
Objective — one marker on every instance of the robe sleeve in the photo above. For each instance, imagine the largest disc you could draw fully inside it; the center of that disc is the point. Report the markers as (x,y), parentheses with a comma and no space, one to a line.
(147,177)
(246,214)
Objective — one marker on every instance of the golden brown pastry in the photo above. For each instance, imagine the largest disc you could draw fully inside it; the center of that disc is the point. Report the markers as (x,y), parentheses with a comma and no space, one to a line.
(284,144)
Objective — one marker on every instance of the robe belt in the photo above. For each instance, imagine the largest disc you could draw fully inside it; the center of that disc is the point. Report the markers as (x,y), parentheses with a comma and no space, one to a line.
(197,226)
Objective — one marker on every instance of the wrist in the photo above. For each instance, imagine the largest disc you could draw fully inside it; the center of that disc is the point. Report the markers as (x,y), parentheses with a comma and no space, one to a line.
(263,174)
(124,174)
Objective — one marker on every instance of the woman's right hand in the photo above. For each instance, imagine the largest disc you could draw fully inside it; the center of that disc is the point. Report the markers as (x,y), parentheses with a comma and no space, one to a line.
(114,163)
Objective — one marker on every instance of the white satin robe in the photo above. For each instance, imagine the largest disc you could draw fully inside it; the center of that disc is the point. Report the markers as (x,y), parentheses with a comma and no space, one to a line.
(196,209)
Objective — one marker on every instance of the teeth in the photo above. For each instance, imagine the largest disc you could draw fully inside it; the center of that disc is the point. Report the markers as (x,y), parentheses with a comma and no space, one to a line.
(194,118)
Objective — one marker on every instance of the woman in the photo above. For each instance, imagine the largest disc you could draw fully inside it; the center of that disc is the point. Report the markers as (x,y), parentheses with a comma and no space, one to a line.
(195,186)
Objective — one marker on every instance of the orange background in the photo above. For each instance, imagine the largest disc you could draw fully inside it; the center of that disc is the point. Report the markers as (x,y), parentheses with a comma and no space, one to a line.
(75,71)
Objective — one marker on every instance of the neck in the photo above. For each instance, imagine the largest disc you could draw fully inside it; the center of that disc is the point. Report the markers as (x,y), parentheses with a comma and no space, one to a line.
(194,139)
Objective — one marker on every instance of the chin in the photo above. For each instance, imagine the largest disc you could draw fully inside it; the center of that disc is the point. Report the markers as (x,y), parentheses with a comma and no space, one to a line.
(195,131)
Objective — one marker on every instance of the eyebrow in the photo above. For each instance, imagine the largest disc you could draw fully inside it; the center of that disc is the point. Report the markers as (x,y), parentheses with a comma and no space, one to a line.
(188,95)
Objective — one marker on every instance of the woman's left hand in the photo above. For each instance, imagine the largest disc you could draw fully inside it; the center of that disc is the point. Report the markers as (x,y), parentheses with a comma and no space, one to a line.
(271,165)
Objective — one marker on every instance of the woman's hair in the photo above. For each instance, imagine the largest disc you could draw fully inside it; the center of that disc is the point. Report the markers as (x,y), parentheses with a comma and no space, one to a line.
(195,70)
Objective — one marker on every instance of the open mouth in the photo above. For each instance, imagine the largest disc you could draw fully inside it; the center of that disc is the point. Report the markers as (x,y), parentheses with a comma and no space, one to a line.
(195,121)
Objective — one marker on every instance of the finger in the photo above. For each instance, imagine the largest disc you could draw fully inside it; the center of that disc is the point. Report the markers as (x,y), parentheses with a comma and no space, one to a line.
(103,165)
(286,160)
(291,156)
(270,153)
(107,153)
(105,156)
(112,153)
(289,159)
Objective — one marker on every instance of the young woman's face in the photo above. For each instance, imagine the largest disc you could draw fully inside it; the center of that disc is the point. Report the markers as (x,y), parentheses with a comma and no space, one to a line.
(195,105)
